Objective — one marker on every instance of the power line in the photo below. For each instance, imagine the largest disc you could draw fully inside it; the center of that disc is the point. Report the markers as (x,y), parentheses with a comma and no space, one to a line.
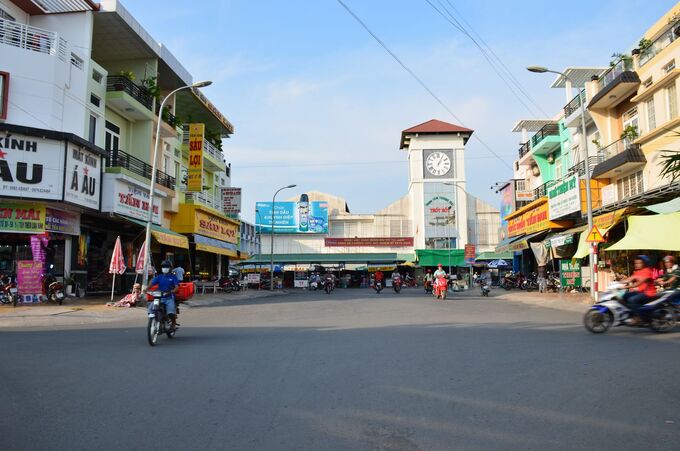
(420,82)
(451,19)
(351,163)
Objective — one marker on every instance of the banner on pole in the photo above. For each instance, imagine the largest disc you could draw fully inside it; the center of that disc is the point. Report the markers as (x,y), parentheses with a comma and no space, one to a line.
(195,174)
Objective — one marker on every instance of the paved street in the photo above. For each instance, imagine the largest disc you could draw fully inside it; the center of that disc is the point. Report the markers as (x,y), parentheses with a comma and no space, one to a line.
(352,370)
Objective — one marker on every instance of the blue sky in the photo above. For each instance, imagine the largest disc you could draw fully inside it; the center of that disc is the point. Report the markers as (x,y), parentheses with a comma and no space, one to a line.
(317,102)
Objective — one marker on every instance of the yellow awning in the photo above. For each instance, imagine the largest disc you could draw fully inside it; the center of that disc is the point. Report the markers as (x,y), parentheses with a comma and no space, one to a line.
(216,250)
(171,239)
(656,232)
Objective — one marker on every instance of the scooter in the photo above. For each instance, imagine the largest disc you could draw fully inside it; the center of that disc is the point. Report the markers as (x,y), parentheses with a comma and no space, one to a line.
(8,291)
(159,322)
(486,288)
(54,290)
(428,287)
(378,286)
(440,287)
(611,310)
(328,285)
(396,284)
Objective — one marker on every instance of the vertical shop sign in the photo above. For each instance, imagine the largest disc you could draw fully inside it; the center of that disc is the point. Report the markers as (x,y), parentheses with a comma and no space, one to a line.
(29,281)
(83,177)
(570,273)
(231,200)
(195,179)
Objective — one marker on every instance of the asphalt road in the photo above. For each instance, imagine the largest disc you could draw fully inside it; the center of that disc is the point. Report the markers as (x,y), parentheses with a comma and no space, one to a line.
(352,370)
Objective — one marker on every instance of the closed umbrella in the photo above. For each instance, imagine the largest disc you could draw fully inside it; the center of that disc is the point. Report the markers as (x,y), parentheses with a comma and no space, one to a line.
(139,266)
(117,265)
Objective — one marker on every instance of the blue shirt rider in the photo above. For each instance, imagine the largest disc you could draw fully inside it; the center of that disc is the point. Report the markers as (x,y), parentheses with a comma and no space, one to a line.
(168,285)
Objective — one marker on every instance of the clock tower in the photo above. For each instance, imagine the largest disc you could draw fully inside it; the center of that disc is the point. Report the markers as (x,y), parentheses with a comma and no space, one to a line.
(437,184)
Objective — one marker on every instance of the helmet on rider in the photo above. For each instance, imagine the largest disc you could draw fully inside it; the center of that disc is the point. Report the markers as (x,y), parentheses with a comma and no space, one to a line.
(646,262)
(165,266)
(440,265)
(429,270)
(669,259)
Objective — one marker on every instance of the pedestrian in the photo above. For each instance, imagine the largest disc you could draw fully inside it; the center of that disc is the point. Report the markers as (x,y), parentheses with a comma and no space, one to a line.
(179,273)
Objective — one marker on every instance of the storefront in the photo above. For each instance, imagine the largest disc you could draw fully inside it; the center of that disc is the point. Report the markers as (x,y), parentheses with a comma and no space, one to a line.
(213,240)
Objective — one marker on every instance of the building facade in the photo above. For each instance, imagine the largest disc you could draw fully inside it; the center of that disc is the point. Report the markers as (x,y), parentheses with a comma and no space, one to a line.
(81,90)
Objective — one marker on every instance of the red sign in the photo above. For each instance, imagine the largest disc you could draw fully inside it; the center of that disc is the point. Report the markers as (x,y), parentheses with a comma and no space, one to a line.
(369,242)
(29,278)
(470,253)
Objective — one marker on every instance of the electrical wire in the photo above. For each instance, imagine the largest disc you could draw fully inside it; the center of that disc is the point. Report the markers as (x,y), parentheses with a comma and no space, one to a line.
(420,81)
(354,163)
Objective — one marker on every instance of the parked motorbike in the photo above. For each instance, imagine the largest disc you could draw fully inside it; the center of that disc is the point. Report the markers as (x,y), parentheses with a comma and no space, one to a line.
(440,287)
(553,282)
(530,282)
(229,284)
(611,310)
(8,291)
(54,290)
(159,321)
(396,284)
(512,280)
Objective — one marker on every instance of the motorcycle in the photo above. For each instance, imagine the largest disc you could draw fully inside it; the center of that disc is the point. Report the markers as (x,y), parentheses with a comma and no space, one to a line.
(159,321)
(440,287)
(486,288)
(396,284)
(410,282)
(229,284)
(378,286)
(512,280)
(530,282)
(8,291)
(54,290)
(328,285)
(553,282)
(611,310)
(428,287)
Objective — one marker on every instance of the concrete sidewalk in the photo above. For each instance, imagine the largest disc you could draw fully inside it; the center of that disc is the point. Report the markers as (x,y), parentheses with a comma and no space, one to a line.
(93,310)
(573,302)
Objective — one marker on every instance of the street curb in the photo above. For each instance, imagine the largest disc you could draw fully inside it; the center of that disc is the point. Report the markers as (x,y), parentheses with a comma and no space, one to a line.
(232,297)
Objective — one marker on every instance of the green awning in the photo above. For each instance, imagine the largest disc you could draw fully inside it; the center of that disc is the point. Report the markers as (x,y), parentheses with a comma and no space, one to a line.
(385,257)
(494,256)
(447,257)
(656,232)
(671,206)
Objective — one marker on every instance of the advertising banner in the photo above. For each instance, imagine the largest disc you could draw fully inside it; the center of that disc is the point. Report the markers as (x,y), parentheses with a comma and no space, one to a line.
(29,280)
(83,177)
(533,218)
(64,222)
(293,217)
(470,253)
(231,200)
(564,197)
(524,196)
(369,242)
(570,273)
(31,167)
(130,200)
(216,227)
(507,201)
(22,218)
(253,277)
(195,179)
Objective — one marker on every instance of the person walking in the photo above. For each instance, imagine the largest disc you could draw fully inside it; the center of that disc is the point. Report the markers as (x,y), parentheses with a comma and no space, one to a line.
(178,271)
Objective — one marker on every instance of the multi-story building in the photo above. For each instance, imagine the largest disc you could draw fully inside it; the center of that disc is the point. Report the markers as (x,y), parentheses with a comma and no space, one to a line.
(81,89)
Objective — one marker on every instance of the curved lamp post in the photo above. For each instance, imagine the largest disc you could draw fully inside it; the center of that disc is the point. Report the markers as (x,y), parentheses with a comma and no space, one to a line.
(542,70)
(152,184)
(271,247)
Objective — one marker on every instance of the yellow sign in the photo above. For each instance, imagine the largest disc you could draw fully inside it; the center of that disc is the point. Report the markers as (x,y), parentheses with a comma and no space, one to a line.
(170,239)
(533,218)
(608,220)
(594,236)
(195,179)
(191,219)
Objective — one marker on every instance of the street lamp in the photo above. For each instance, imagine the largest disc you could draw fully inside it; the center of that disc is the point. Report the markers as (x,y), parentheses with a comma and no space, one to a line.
(542,70)
(152,184)
(271,247)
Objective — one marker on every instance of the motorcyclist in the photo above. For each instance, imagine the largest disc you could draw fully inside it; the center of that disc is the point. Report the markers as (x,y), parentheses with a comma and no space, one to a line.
(671,277)
(429,278)
(379,276)
(396,275)
(440,271)
(642,282)
(168,285)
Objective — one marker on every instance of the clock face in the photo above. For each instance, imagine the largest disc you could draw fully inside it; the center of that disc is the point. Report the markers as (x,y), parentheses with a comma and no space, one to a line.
(438,163)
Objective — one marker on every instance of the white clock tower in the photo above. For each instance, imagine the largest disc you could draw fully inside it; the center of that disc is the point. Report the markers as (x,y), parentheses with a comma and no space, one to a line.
(437,184)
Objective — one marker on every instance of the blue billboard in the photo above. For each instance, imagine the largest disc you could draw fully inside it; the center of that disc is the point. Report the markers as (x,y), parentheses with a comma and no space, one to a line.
(292,217)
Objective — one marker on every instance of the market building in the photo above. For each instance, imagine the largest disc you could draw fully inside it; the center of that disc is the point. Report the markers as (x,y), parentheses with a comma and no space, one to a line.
(432,223)
(632,121)
(81,90)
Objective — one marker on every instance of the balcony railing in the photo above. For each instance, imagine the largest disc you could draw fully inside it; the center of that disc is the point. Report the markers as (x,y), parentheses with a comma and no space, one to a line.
(546,130)
(616,148)
(32,38)
(624,65)
(542,190)
(659,44)
(139,93)
(575,103)
(208,147)
(120,159)
(205,198)
(580,167)
(167,116)
(524,149)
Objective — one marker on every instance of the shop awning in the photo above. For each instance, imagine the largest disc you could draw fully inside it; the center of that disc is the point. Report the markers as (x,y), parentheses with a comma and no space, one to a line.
(207,244)
(504,246)
(656,232)
(447,257)
(165,236)
(494,256)
(608,220)
(385,257)
(523,242)
(665,207)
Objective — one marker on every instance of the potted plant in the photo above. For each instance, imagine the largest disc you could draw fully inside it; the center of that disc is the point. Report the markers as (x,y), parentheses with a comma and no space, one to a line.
(151,86)
(644,44)
(630,133)
(128,74)
(69,284)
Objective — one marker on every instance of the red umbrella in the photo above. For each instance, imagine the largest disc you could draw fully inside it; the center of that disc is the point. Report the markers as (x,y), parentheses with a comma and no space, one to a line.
(139,266)
(117,265)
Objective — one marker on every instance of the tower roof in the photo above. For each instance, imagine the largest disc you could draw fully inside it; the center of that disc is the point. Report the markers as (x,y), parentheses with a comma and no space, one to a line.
(434,127)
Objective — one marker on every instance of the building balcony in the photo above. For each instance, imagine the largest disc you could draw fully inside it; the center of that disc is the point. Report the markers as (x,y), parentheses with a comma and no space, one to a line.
(524,149)
(619,157)
(32,39)
(213,158)
(542,190)
(129,99)
(664,40)
(117,160)
(580,167)
(573,109)
(167,122)
(205,198)
(546,140)
(615,85)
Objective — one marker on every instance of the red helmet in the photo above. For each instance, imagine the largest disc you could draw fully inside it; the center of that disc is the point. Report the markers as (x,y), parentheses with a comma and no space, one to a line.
(440,265)
(429,270)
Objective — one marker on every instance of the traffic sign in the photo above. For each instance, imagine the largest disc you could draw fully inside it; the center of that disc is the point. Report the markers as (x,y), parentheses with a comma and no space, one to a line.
(594,236)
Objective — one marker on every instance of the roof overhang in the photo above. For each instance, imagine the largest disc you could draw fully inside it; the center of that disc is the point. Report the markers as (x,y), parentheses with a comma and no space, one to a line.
(532,125)
(621,88)
(579,76)
(196,107)
(41,7)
